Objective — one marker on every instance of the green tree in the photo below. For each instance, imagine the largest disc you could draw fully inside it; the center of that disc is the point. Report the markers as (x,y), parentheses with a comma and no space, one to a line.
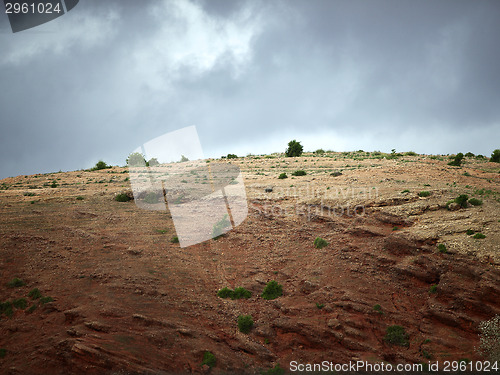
(495,156)
(294,149)
(136,159)
(153,162)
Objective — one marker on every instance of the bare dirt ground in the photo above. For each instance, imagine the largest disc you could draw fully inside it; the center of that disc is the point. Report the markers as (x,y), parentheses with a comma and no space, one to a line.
(128,300)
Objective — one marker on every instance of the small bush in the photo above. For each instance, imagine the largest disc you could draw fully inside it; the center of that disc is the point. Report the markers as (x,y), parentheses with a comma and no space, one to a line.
(405,191)
(433,289)
(45,300)
(319,243)
(232,156)
(20,303)
(469,155)
(320,305)
(495,156)
(151,198)
(319,151)
(457,160)
(299,173)
(378,308)
(240,293)
(6,308)
(136,159)
(32,308)
(245,323)
(462,200)
(3,352)
(470,232)
(282,176)
(475,201)
(153,162)
(479,236)
(396,335)
(80,198)
(175,239)
(276,370)
(424,194)
(410,153)
(442,248)
(294,149)
(272,290)
(336,174)
(100,165)
(220,227)
(122,197)
(209,359)
(15,283)
(29,194)
(34,293)
(54,185)
(184,159)
(225,293)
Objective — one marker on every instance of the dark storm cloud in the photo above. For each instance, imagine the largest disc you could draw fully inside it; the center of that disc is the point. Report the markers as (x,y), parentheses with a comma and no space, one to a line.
(109,76)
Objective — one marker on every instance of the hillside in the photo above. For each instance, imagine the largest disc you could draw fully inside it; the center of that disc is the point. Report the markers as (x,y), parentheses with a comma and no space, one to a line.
(128,298)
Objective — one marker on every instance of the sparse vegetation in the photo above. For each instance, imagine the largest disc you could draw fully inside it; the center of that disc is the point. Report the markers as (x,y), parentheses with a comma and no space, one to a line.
(245,323)
(470,232)
(442,248)
(479,236)
(319,151)
(34,293)
(232,156)
(457,160)
(175,239)
(282,176)
(319,243)
(20,303)
(100,165)
(209,359)
(320,305)
(495,156)
(45,300)
(396,335)
(424,194)
(184,159)
(475,202)
(405,191)
(294,149)
(461,200)
(433,289)
(220,227)
(80,198)
(378,308)
(299,173)
(237,293)
(15,283)
(122,197)
(6,308)
(272,290)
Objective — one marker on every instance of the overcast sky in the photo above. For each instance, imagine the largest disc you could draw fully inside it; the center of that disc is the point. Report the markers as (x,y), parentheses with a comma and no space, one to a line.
(111,75)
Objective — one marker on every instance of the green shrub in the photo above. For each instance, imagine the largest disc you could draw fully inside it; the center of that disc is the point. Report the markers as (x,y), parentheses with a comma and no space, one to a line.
(433,289)
(3,352)
(396,335)
(34,293)
(136,159)
(378,308)
(276,370)
(45,300)
(282,176)
(29,194)
(153,162)
(319,243)
(479,236)
(232,156)
(470,232)
(122,197)
(442,248)
(319,151)
(151,198)
(336,174)
(225,293)
(32,308)
(175,239)
(320,305)
(424,194)
(80,198)
(457,160)
(245,323)
(184,159)
(6,308)
(20,303)
(425,354)
(462,200)
(299,173)
(469,155)
(209,359)
(395,228)
(410,153)
(100,165)
(272,290)
(240,293)
(405,191)
(15,283)
(220,227)
(475,201)
(495,156)
(294,149)
(54,185)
